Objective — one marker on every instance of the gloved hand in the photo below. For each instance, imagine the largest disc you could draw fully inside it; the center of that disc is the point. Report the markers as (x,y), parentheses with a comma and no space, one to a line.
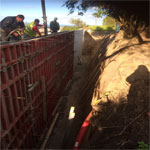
(15,34)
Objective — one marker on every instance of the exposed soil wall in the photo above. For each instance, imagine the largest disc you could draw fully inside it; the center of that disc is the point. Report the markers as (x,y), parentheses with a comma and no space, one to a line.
(121,94)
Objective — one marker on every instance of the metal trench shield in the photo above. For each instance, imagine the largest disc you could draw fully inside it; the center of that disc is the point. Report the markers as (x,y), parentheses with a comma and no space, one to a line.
(34,74)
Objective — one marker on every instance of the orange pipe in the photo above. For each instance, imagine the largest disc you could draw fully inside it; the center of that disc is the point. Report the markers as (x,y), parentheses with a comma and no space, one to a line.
(82,132)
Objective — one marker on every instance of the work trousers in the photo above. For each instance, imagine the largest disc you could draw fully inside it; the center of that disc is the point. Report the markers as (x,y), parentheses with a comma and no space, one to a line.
(3,35)
(26,36)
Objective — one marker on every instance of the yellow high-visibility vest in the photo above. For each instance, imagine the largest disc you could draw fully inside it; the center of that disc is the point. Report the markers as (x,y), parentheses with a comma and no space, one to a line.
(28,30)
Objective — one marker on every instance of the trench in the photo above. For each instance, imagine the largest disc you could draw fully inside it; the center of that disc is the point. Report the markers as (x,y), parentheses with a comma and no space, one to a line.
(78,94)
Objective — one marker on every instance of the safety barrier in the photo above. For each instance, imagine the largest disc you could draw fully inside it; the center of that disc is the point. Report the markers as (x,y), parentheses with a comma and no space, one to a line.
(34,74)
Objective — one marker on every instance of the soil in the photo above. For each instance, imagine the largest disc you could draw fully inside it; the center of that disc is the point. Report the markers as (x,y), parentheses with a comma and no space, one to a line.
(120,119)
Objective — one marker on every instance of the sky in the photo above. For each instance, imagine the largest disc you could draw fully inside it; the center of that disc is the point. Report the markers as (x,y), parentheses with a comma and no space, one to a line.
(32,9)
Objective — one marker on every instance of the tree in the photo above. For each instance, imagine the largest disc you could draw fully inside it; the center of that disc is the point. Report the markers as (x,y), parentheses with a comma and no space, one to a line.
(78,23)
(99,13)
(133,15)
(109,21)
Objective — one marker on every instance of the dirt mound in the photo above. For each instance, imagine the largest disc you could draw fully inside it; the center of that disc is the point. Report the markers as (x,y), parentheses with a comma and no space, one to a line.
(121,95)
(121,59)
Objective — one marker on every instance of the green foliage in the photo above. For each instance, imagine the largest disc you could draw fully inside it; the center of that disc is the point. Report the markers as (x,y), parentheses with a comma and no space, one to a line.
(101,28)
(109,21)
(142,146)
(121,11)
(117,9)
(100,13)
(69,28)
(78,23)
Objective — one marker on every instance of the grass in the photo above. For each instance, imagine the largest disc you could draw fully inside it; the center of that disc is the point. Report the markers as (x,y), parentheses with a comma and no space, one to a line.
(69,28)
(93,28)
(101,28)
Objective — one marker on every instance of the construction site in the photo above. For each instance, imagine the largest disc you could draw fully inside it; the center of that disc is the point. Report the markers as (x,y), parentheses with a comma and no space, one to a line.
(78,89)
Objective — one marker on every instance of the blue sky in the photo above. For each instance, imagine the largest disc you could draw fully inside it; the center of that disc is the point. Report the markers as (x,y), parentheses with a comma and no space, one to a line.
(32,9)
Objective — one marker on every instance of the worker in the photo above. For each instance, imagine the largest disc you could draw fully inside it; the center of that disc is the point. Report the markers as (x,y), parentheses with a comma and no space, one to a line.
(54,25)
(8,24)
(32,29)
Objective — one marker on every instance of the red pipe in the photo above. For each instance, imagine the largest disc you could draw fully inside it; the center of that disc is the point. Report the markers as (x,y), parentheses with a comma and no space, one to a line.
(82,132)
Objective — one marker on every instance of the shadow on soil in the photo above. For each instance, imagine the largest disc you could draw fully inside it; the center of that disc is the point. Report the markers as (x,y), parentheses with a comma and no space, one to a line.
(122,125)
(119,125)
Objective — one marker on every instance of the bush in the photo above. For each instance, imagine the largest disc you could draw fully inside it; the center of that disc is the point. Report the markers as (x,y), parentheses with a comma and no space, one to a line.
(69,28)
(93,28)
(78,23)
(142,146)
(109,21)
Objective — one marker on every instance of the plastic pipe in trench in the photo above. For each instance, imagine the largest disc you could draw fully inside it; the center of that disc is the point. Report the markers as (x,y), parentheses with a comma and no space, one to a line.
(82,132)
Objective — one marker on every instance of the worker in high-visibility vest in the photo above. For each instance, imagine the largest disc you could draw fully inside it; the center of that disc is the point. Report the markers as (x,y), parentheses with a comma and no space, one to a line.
(32,29)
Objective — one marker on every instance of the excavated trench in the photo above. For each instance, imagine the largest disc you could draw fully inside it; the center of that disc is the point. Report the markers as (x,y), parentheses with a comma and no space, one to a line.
(79,92)
(111,77)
